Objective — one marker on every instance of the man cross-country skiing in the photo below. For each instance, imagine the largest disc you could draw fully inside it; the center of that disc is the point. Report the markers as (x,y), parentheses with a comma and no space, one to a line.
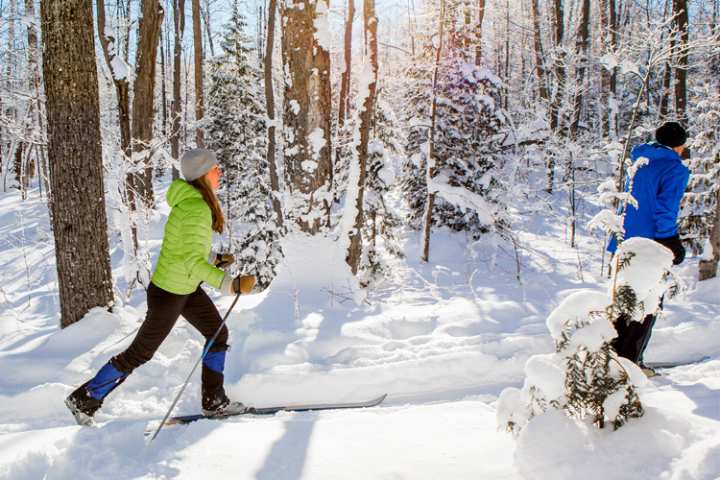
(175,290)
(658,188)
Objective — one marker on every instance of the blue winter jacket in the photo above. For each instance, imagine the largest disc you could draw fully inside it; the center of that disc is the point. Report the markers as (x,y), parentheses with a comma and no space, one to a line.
(658,188)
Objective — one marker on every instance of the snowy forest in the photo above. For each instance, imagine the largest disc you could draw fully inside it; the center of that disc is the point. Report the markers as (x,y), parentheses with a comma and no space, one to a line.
(434,197)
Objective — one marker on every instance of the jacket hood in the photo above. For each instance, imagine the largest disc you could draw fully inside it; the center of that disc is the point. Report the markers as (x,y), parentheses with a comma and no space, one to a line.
(180,191)
(655,151)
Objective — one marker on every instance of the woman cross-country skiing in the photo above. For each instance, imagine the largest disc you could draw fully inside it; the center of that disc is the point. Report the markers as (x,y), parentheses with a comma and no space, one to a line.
(175,290)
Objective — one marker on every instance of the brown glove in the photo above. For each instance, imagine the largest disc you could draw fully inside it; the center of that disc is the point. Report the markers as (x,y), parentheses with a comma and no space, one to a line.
(240,284)
(244,284)
(223,260)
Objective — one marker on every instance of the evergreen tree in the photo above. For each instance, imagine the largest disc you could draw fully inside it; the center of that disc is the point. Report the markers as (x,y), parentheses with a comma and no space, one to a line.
(467,144)
(698,204)
(381,223)
(236,132)
(415,115)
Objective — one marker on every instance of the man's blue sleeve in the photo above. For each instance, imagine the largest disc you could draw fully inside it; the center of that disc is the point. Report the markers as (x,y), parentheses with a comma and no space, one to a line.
(670,193)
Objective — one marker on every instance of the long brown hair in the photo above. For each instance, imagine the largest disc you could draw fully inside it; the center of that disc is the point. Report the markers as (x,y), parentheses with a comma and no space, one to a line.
(211,199)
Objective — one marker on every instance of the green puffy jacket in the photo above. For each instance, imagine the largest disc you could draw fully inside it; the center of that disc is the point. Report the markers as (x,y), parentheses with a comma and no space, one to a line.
(183,261)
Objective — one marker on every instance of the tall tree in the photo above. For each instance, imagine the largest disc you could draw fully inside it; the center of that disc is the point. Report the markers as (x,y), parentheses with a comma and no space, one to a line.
(176,108)
(479,32)
(74,149)
(120,72)
(431,161)
(558,22)
(681,18)
(345,78)
(581,51)
(368,89)
(270,111)
(606,72)
(208,24)
(143,112)
(199,77)
(307,111)
(540,72)
(236,132)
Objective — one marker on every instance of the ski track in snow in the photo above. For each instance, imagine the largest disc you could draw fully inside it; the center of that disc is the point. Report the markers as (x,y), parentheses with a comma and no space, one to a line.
(442,339)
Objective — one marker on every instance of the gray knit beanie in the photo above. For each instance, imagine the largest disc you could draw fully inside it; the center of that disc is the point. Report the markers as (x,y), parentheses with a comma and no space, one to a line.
(197,162)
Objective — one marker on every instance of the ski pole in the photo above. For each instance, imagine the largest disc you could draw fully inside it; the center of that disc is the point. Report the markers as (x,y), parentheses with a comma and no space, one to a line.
(202,357)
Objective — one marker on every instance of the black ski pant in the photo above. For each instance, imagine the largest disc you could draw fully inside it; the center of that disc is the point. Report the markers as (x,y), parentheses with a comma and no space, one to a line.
(164,308)
(633,337)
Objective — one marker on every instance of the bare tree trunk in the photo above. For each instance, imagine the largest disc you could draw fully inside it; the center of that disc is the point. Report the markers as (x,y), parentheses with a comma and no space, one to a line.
(163,86)
(270,107)
(199,90)
(120,79)
(539,57)
(605,74)
(708,268)
(506,76)
(306,112)
(176,108)
(667,74)
(76,170)
(345,79)
(208,30)
(479,32)
(411,25)
(366,116)
(16,151)
(559,33)
(143,97)
(34,113)
(613,115)
(681,17)
(430,201)
(581,48)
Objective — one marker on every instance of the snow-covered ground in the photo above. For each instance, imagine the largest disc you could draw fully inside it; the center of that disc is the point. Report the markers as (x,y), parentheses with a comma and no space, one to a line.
(442,339)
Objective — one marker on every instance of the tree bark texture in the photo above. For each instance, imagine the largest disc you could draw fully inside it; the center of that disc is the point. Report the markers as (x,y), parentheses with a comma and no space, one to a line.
(681,18)
(208,29)
(708,268)
(345,78)
(479,32)
(605,74)
(176,108)
(75,154)
(540,73)
(199,90)
(110,48)
(430,201)
(307,113)
(270,110)
(581,49)
(143,111)
(558,35)
(366,116)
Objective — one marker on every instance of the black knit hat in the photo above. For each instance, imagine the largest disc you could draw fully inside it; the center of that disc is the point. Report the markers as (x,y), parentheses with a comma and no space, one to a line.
(671,134)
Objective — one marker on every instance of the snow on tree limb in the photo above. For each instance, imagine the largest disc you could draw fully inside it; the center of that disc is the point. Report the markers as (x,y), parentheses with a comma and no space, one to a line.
(461,197)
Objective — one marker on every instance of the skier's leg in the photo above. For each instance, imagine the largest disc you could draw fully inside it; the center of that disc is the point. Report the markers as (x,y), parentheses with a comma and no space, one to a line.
(644,339)
(648,324)
(163,310)
(627,343)
(201,312)
(619,343)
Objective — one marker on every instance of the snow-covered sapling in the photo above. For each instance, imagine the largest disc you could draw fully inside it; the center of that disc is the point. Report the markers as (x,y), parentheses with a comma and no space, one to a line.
(585,377)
